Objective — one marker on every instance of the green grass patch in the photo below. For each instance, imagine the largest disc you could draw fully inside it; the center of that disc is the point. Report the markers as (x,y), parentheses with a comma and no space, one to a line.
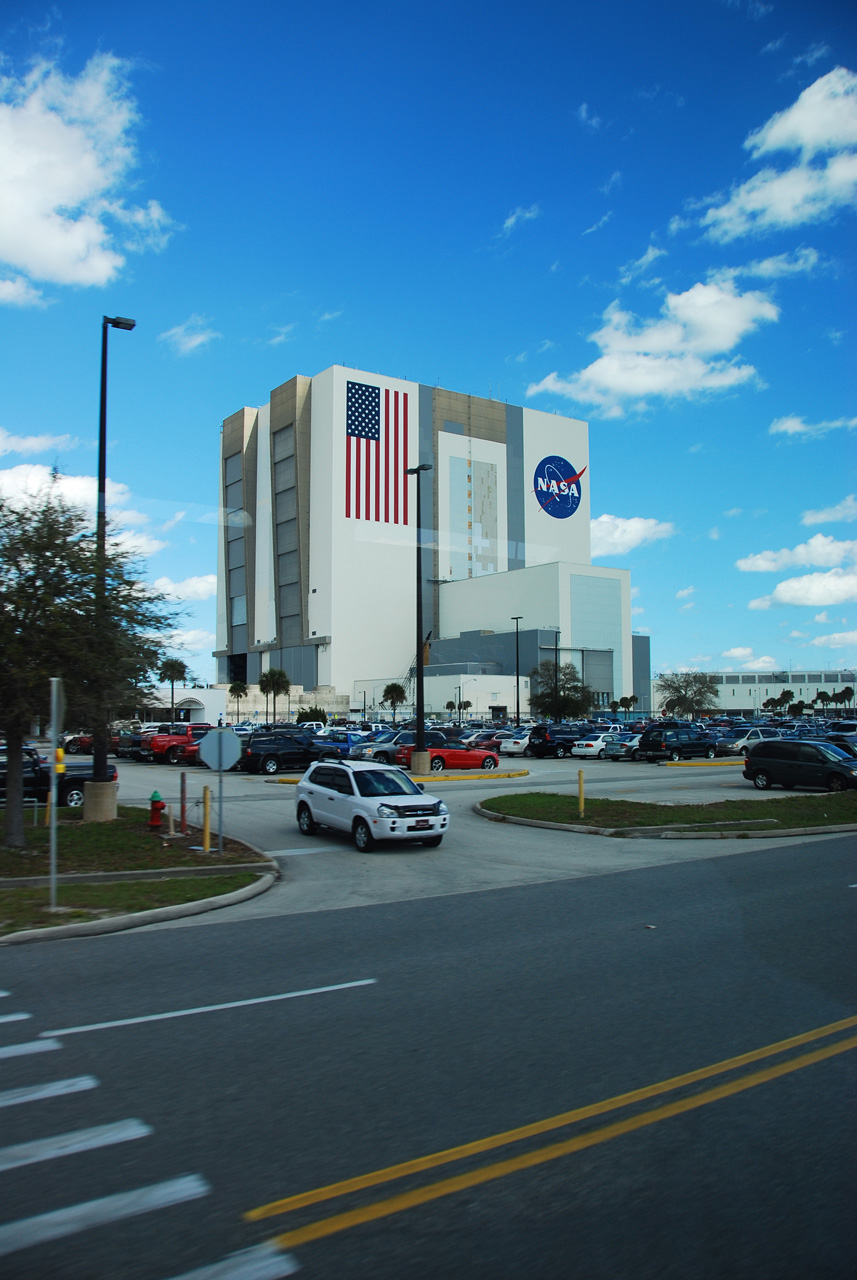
(124,845)
(29,908)
(788,811)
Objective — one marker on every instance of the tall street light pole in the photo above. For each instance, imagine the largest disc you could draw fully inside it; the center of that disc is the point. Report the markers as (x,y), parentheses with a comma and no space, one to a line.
(419,758)
(99,743)
(516,618)
(556,676)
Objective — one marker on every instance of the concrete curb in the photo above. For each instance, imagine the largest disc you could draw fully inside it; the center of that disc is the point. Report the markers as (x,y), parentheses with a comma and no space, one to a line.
(114,924)
(660,833)
(118,877)
(477,775)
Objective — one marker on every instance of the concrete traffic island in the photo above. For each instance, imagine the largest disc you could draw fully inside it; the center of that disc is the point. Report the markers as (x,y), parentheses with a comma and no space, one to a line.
(740,830)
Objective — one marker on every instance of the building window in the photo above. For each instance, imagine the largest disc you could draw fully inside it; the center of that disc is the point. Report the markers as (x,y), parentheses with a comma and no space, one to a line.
(238,606)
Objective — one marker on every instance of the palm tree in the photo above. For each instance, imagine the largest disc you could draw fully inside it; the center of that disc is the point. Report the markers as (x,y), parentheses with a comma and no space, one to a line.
(450,706)
(395,695)
(280,685)
(265,687)
(238,690)
(173,669)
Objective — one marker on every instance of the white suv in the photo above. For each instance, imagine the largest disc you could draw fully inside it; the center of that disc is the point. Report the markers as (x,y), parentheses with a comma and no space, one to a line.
(372,801)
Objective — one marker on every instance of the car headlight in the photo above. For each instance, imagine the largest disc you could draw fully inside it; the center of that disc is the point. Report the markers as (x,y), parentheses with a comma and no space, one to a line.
(387,811)
(441,808)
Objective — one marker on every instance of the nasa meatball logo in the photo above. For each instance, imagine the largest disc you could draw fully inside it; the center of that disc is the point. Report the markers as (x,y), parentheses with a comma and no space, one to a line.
(557,487)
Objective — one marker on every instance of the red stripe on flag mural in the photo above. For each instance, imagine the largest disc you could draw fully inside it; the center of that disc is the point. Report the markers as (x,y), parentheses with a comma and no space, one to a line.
(348,476)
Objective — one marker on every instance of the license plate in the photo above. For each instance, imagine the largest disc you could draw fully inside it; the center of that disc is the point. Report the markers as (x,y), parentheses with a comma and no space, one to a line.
(422,824)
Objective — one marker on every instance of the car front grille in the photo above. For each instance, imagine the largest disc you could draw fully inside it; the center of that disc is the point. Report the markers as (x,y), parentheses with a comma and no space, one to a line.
(416,810)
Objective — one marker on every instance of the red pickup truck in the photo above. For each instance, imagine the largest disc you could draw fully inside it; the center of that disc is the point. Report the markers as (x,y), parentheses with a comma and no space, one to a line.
(168,748)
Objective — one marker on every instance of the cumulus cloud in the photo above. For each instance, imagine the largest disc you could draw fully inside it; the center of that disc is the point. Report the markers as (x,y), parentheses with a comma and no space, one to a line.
(190,336)
(821,550)
(67,148)
(195,641)
(678,355)
(34,444)
(822,127)
(815,590)
(201,588)
(617,535)
(802,262)
(839,640)
(794,426)
(738,652)
(845,510)
(765,663)
(684,593)
(518,216)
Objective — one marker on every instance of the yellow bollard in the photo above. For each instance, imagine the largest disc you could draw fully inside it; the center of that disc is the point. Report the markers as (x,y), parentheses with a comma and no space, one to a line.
(580,793)
(206,819)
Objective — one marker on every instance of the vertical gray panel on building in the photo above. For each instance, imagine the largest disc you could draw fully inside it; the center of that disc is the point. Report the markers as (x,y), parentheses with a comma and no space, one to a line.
(515,485)
(428,499)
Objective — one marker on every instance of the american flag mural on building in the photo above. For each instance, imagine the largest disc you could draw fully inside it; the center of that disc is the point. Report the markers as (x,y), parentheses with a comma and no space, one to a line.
(376,454)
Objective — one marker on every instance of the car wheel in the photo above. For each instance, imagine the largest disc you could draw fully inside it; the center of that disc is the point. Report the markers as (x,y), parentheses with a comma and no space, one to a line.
(270,765)
(835,782)
(72,797)
(710,753)
(432,842)
(635,755)
(437,764)
(527,751)
(489,763)
(381,758)
(560,753)
(173,755)
(305,820)
(73,749)
(761,781)
(601,754)
(675,755)
(363,837)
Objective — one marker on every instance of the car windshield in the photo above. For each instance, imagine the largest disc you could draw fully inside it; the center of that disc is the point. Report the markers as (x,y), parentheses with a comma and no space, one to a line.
(831,751)
(380,782)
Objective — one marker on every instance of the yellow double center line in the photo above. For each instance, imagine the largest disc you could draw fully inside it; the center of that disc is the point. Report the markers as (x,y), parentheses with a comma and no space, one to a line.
(528,1160)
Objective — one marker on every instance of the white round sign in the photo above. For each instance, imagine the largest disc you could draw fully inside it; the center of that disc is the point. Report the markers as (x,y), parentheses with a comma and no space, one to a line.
(220,748)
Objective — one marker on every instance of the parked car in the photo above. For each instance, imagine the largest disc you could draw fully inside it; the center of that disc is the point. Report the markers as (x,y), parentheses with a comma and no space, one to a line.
(554,739)
(738,744)
(488,739)
(281,749)
(517,745)
(371,801)
(799,764)
(383,748)
(624,747)
(337,743)
(453,756)
(37,779)
(594,745)
(675,743)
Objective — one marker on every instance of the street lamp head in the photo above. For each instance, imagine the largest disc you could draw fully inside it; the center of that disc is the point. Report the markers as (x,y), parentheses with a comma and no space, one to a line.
(424,466)
(120,322)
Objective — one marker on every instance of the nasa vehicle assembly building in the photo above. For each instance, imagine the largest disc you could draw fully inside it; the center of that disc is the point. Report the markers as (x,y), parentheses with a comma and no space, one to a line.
(318,535)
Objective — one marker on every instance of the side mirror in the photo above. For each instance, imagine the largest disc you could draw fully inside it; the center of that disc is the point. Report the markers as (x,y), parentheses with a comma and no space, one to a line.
(421,786)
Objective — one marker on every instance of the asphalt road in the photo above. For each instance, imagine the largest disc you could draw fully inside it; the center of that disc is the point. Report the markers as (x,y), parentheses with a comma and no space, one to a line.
(438,1022)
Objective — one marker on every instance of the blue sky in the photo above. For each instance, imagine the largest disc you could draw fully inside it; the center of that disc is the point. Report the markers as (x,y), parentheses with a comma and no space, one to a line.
(640,215)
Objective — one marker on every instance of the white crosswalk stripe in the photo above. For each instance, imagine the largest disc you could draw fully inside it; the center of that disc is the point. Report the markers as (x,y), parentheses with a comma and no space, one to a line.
(263,1262)
(69,1144)
(28,1046)
(52,1089)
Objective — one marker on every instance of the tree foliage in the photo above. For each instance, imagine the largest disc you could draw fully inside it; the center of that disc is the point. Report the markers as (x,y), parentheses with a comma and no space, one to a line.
(559,693)
(237,691)
(48,628)
(687,693)
(275,682)
(394,696)
(312,713)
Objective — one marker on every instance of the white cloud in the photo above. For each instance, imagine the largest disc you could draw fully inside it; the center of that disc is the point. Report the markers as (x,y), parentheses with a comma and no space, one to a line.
(636,610)
(738,652)
(814,54)
(824,118)
(837,586)
(173,521)
(586,117)
(636,268)
(596,226)
(282,333)
(714,534)
(821,550)
(329,315)
(733,512)
(195,641)
(798,635)
(839,640)
(615,180)
(846,510)
(685,608)
(66,152)
(674,356)
(617,535)
(802,262)
(34,444)
(201,588)
(684,593)
(189,336)
(765,663)
(823,121)
(517,216)
(794,426)
(18,292)
(821,617)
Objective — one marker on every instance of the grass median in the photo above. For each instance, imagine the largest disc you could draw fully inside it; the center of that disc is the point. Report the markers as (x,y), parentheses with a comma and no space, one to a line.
(781,813)
(124,845)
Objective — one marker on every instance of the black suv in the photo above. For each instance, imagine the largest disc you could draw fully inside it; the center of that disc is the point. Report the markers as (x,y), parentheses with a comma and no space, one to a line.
(675,742)
(555,739)
(800,764)
(279,749)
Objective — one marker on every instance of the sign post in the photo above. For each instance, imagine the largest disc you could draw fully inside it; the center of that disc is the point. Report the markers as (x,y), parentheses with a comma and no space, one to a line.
(57,766)
(220,749)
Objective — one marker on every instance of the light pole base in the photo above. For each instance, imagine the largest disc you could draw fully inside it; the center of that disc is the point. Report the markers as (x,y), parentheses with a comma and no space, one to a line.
(420,762)
(100,801)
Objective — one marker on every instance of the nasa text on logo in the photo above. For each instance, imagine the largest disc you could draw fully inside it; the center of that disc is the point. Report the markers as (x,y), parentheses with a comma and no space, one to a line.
(556,485)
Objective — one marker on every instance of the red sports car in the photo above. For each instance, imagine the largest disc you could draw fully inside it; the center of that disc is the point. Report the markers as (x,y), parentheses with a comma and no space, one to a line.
(452,758)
